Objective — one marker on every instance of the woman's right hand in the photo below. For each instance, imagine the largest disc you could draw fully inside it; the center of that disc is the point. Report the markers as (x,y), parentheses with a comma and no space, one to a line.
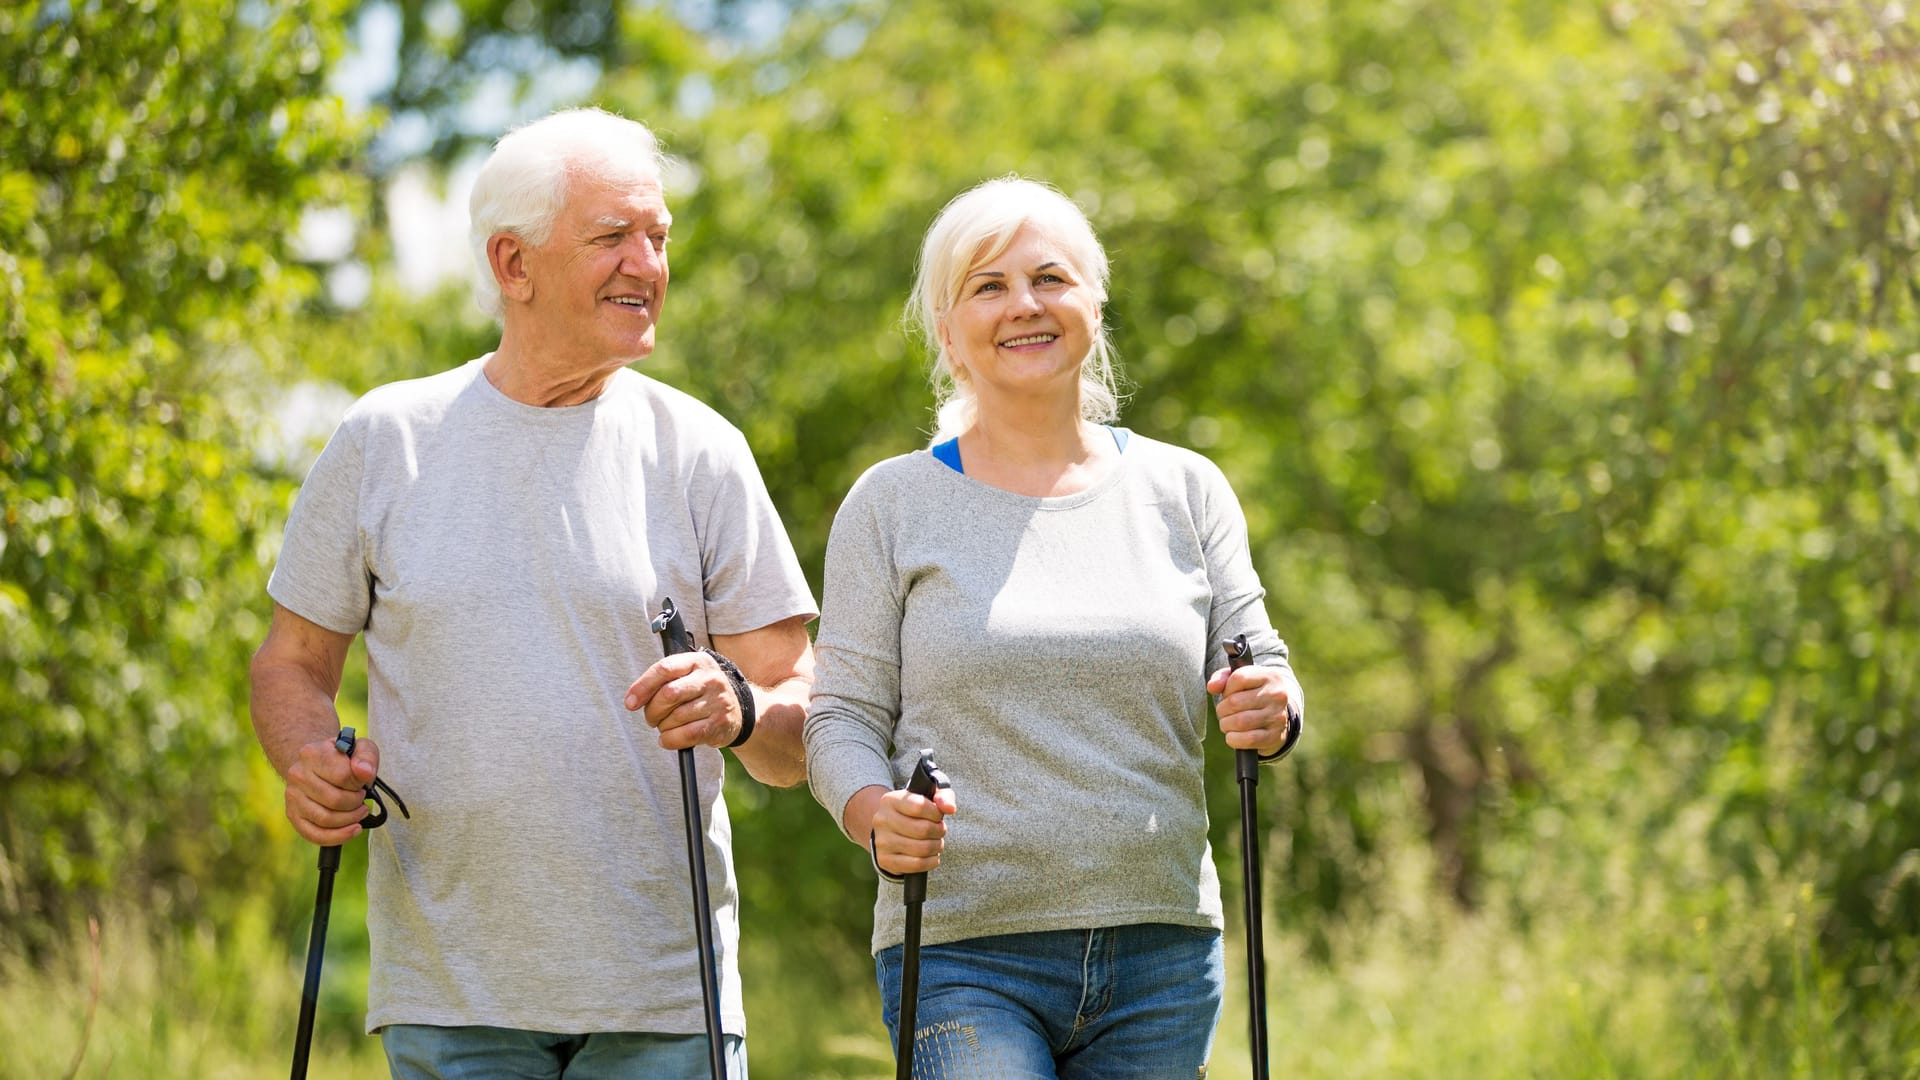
(907,831)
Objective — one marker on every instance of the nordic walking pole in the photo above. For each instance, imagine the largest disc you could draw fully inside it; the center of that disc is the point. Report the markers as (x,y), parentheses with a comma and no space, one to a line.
(926,779)
(1246,765)
(323,907)
(674,638)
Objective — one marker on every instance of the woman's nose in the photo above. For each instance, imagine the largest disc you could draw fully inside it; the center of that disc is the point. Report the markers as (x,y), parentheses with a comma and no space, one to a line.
(1027,302)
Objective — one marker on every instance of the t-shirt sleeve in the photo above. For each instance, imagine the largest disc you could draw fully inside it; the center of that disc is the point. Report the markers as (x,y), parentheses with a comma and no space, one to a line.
(322,574)
(856,695)
(752,577)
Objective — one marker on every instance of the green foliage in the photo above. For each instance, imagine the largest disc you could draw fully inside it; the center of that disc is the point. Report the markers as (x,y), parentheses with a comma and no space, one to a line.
(145,202)
(1563,357)
(1556,352)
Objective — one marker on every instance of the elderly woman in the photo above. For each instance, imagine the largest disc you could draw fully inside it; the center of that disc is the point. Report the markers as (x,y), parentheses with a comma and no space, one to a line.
(1040,597)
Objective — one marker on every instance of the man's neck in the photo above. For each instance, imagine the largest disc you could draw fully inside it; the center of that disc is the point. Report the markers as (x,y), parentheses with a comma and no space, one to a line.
(543,380)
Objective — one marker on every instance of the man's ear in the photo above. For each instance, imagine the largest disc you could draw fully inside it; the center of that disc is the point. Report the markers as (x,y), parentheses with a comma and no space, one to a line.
(506,255)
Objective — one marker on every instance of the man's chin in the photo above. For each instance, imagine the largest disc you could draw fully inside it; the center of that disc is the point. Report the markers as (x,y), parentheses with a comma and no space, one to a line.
(632,352)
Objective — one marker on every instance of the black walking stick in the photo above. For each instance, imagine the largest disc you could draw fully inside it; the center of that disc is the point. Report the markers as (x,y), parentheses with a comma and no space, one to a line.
(926,779)
(323,907)
(1246,765)
(674,638)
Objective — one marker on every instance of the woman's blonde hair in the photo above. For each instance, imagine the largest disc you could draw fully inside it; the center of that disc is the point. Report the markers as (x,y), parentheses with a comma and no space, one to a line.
(976,227)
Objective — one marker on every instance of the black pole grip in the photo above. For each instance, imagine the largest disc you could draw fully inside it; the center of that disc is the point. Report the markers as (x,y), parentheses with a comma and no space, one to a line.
(926,779)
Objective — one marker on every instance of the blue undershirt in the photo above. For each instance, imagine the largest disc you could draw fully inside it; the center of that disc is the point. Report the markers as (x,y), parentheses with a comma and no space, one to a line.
(948,453)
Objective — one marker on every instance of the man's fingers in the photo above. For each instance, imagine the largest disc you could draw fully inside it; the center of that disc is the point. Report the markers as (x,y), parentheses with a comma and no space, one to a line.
(683,730)
(326,837)
(324,764)
(366,761)
(327,796)
(662,674)
(321,823)
(682,701)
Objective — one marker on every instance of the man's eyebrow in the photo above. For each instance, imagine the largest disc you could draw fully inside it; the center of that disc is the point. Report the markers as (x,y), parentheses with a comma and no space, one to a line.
(614,221)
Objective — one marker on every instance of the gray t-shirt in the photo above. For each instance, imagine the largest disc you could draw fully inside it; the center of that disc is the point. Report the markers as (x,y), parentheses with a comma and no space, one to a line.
(503,561)
(1053,652)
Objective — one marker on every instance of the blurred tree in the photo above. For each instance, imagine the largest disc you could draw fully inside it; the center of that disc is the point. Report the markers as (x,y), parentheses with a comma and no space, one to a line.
(154,167)
(1555,352)
(1562,355)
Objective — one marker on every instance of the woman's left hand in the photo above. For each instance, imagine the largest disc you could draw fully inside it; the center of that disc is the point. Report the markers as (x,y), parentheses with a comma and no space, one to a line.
(1254,706)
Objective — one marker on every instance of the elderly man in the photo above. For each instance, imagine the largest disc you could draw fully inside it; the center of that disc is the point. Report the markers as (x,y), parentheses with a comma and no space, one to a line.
(501,533)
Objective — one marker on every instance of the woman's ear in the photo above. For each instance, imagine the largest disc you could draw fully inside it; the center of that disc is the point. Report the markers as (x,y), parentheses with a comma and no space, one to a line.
(506,255)
(956,370)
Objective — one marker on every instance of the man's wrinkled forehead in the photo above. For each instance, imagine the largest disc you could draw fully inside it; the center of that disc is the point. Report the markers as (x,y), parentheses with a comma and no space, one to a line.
(618,201)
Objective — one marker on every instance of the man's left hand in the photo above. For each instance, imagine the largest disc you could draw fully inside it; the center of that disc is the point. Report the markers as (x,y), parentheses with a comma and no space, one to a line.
(689,700)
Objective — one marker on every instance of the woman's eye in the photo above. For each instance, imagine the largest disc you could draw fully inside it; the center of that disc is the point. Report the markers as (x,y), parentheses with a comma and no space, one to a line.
(993,285)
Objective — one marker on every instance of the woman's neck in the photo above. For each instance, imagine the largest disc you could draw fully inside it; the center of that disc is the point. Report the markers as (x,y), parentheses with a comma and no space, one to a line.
(1037,456)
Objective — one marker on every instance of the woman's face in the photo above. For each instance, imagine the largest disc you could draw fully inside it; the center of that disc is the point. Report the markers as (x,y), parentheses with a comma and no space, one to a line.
(1024,322)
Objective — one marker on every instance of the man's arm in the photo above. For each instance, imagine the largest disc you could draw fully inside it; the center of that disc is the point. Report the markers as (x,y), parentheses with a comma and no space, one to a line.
(691,701)
(778,663)
(295,677)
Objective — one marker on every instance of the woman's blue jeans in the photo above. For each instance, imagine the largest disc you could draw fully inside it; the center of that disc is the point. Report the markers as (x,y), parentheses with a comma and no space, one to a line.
(1133,1002)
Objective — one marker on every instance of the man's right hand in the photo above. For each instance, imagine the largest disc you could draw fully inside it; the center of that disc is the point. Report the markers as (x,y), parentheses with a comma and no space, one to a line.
(327,790)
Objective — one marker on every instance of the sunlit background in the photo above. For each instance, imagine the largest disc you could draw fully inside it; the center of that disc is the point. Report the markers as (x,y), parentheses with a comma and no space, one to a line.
(1565,356)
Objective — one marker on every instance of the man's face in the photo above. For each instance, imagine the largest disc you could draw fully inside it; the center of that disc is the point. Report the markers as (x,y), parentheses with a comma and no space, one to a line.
(599,280)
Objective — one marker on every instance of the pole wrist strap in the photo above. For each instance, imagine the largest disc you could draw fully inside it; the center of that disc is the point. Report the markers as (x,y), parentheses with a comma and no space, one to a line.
(741,690)
(874,854)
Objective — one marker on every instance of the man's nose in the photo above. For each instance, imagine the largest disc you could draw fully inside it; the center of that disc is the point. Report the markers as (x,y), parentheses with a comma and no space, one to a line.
(643,260)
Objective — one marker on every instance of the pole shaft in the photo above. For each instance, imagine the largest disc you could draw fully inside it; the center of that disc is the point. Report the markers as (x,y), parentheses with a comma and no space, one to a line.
(702,912)
(316,951)
(1247,765)
(909,991)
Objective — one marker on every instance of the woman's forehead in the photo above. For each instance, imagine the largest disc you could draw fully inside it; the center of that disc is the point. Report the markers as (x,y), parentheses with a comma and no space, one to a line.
(1030,244)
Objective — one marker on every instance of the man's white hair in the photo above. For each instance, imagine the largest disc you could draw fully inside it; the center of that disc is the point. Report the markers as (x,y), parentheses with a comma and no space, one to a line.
(523,186)
(976,227)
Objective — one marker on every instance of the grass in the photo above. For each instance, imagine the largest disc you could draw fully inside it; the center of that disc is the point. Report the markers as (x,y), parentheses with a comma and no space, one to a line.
(1415,993)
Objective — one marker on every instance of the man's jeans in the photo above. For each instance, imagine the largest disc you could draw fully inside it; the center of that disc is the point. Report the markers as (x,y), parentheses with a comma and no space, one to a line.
(421,1052)
(1134,1002)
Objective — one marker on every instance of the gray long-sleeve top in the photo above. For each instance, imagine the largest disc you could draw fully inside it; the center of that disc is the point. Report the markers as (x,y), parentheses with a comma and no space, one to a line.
(1053,652)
